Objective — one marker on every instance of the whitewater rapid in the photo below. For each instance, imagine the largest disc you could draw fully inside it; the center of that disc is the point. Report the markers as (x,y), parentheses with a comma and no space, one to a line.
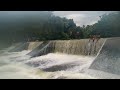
(18,65)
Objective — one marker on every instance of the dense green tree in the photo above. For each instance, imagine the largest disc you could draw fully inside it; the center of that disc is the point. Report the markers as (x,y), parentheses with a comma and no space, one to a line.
(42,26)
(107,26)
(46,26)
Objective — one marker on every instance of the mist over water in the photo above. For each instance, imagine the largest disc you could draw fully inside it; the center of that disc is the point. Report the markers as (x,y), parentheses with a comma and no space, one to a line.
(57,60)
(18,65)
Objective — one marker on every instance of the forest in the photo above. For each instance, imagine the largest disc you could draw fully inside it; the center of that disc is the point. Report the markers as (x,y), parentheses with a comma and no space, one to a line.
(47,26)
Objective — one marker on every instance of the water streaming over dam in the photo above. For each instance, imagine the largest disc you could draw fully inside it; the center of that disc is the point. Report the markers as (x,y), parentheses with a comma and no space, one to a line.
(61,59)
(74,47)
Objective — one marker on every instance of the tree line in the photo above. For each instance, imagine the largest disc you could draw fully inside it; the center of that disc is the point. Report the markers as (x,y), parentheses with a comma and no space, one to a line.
(47,26)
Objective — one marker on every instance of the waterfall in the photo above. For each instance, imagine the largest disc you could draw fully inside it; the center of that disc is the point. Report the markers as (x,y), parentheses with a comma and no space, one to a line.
(34,45)
(50,59)
(75,47)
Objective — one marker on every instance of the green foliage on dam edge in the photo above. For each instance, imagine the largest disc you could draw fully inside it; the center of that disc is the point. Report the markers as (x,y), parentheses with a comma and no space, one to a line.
(47,26)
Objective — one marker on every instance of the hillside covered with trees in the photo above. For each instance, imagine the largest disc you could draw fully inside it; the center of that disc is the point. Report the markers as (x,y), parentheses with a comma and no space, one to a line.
(47,26)
(107,26)
(44,26)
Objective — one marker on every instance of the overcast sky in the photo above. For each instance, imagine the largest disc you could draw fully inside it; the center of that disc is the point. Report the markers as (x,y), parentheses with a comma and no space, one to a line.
(82,17)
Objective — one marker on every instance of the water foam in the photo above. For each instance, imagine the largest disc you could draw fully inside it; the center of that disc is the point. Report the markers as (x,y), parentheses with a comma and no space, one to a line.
(14,65)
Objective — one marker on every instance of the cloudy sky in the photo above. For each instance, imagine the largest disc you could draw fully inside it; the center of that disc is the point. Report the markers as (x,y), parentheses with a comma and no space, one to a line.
(82,17)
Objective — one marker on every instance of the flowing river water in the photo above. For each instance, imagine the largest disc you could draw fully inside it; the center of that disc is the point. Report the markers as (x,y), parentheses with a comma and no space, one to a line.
(41,60)
(18,65)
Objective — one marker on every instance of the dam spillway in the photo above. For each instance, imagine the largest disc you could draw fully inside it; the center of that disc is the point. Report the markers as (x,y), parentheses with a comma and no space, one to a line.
(105,65)
(74,47)
(108,59)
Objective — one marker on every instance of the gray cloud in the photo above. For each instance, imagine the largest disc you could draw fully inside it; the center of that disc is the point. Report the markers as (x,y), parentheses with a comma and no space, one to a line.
(79,17)
(82,17)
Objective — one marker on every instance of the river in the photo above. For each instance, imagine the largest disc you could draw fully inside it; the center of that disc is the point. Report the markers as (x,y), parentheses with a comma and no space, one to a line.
(18,65)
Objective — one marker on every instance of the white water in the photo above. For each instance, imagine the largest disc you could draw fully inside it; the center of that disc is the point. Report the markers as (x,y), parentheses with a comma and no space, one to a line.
(17,65)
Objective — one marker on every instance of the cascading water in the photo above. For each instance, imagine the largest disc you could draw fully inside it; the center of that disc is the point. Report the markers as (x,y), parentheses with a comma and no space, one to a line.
(33,45)
(50,66)
(11,69)
(51,60)
(73,47)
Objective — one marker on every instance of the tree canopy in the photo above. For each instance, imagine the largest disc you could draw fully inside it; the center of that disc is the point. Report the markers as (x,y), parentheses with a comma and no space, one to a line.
(107,26)
(46,26)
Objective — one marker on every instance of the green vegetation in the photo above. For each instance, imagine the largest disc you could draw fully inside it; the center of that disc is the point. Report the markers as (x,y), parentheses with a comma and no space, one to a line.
(107,26)
(46,26)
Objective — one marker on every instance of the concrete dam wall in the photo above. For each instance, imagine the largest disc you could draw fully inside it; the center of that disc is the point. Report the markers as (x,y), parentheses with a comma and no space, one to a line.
(108,59)
(75,47)
(107,52)
(19,47)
